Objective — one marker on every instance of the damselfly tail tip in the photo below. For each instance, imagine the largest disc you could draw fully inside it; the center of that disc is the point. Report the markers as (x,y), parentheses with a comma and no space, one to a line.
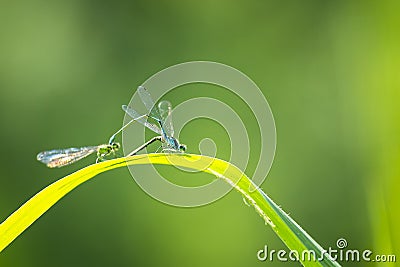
(40,156)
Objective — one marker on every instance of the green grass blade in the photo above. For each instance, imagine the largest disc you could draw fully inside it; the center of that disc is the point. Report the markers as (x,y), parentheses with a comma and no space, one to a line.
(291,234)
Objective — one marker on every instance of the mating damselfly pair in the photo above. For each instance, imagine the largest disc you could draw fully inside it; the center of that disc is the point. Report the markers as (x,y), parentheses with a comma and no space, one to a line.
(165,130)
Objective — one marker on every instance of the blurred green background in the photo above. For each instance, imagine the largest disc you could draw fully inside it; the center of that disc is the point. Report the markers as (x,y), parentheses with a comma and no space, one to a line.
(329,69)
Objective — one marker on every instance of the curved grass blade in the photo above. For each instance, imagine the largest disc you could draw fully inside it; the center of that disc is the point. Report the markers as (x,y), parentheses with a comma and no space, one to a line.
(289,231)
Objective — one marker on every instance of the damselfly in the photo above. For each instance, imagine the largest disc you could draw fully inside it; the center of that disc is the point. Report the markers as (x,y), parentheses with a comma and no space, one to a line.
(162,115)
(62,157)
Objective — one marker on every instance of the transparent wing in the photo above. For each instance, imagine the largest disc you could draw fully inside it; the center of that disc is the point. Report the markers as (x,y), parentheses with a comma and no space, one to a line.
(141,119)
(148,102)
(165,109)
(62,157)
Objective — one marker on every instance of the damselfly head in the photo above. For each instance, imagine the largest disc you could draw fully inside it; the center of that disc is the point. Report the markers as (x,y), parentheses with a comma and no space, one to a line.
(182,147)
(105,150)
(171,144)
(115,146)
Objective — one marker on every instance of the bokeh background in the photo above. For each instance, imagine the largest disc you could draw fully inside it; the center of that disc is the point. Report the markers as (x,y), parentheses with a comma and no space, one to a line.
(329,69)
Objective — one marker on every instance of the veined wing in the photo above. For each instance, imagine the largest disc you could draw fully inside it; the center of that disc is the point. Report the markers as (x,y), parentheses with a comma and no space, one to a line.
(148,102)
(62,157)
(141,119)
(165,109)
